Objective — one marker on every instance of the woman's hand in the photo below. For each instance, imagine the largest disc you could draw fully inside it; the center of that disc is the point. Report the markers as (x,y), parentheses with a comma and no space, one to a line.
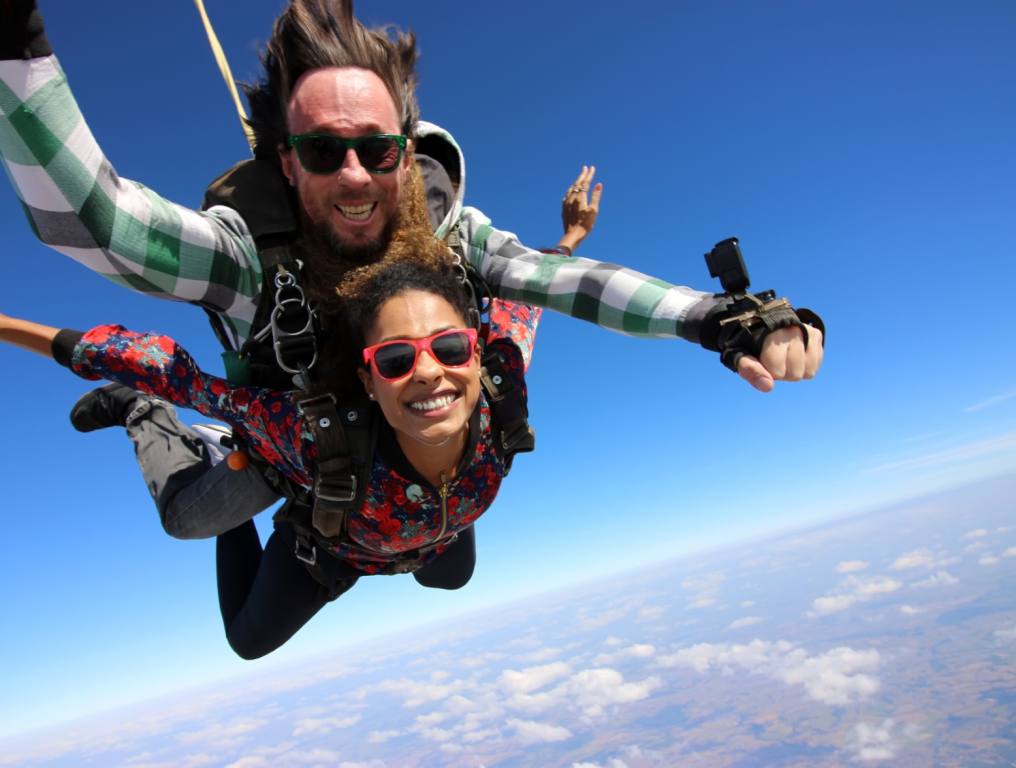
(579,209)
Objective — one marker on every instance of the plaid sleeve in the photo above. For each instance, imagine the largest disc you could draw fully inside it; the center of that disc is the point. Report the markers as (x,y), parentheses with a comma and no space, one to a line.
(77,204)
(608,295)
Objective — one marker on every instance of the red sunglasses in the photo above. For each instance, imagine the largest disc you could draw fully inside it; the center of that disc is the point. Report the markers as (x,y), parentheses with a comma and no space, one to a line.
(397,358)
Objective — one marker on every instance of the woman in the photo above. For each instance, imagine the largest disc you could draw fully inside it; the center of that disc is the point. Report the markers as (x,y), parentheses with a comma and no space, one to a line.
(437,466)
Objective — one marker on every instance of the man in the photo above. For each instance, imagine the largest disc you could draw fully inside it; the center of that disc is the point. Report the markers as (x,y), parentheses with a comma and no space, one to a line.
(337,112)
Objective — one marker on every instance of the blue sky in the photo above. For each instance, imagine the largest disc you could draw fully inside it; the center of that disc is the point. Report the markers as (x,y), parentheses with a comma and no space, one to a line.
(862,153)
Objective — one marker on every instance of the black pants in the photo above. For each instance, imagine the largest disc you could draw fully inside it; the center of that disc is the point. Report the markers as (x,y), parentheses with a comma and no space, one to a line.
(266,595)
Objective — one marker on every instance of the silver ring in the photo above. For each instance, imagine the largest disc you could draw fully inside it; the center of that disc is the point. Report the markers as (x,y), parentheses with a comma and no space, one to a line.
(580,189)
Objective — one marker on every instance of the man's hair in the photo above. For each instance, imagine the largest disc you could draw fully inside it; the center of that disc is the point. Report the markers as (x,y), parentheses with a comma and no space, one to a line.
(316,34)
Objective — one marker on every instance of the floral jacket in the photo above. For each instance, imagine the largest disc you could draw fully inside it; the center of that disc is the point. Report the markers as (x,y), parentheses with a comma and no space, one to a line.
(401,512)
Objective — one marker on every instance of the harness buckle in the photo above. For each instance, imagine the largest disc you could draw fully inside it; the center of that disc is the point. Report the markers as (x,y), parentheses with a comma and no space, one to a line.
(305,552)
(341,490)
(521,440)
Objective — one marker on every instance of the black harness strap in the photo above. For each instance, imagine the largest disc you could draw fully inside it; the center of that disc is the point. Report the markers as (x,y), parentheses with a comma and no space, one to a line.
(508,403)
(345,438)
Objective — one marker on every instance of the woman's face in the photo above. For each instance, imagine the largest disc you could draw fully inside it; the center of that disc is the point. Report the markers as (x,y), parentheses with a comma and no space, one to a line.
(433,403)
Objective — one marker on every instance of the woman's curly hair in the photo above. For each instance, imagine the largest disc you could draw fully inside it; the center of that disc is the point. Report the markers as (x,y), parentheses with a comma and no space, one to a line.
(415,261)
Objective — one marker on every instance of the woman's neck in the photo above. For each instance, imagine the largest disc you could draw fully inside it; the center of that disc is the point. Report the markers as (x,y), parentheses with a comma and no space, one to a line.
(437,463)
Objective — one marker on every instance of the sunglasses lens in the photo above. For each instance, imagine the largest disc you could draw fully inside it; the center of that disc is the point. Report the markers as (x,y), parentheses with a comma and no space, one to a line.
(379,153)
(452,348)
(321,154)
(394,360)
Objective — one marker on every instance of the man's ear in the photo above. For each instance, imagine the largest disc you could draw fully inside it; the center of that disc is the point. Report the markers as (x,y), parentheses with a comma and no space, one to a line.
(286,161)
(367,381)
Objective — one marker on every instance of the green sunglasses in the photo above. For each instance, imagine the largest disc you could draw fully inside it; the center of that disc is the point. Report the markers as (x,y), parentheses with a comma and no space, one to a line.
(324,153)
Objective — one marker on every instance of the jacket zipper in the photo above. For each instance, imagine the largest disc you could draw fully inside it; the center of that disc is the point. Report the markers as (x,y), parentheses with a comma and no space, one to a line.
(443,493)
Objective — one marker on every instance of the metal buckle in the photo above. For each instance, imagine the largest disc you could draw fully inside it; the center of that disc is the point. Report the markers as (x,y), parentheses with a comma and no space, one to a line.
(305,555)
(343,491)
(289,297)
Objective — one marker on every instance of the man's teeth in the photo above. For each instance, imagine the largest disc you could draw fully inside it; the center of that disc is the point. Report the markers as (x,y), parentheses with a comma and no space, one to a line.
(356,212)
(433,404)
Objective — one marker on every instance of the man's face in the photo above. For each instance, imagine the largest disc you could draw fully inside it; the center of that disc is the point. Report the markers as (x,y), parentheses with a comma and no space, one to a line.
(352,208)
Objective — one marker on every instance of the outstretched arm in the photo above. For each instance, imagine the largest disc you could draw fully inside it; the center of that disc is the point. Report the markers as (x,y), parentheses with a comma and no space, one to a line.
(625,300)
(80,206)
(28,335)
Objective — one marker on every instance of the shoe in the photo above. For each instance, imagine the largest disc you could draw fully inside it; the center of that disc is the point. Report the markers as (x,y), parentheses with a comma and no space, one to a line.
(107,406)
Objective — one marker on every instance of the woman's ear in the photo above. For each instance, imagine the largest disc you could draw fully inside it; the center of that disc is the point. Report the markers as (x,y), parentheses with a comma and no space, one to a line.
(367,380)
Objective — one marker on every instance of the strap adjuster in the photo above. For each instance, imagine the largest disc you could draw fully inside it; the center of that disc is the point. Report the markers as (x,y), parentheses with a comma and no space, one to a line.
(306,552)
(337,489)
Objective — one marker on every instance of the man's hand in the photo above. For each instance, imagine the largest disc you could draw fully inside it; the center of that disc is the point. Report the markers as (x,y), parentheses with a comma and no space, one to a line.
(579,209)
(784,358)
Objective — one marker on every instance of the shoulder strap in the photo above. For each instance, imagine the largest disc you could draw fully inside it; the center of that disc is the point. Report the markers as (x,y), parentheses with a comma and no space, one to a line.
(345,435)
(258,190)
(510,409)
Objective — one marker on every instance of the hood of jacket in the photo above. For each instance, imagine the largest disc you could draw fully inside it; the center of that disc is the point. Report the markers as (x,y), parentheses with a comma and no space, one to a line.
(435,142)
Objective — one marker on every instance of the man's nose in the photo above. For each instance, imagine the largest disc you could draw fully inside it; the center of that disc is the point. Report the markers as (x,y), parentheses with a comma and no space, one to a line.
(352,172)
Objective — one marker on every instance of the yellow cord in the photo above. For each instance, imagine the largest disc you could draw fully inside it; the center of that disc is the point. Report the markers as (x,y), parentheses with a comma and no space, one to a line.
(220,57)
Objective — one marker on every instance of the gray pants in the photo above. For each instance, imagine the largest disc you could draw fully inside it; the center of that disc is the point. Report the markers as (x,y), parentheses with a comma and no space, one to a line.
(196,499)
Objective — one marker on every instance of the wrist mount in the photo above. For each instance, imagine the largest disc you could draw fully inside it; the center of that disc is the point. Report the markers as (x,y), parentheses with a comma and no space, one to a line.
(740,321)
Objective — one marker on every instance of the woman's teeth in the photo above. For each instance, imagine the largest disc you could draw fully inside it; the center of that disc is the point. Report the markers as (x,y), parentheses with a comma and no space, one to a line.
(433,403)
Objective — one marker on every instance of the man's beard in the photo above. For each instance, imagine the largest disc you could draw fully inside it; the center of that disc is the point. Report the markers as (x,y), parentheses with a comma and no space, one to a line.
(327,257)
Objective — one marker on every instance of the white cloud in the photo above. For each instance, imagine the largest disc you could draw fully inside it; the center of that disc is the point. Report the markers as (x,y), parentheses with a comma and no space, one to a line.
(989,560)
(322,725)
(839,676)
(702,602)
(636,651)
(955,455)
(977,533)
(650,612)
(918,558)
(990,401)
(532,732)
(747,603)
(380,737)
(747,621)
(415,693)
(433,718)
(532,678)
(595,689)
(1010,552)
(850,566)
(590,691)
(874,742)
(222,734)
(853,590)
(876,586)
(910,610)
(1006,634)
(940,579)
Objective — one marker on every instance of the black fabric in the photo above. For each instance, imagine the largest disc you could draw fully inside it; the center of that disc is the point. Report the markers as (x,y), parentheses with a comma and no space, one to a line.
(22,34)
(63,345)
(455,565)
(266,596)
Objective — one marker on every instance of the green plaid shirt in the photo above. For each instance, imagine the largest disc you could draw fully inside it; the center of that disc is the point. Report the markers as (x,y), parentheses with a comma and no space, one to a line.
(78,205)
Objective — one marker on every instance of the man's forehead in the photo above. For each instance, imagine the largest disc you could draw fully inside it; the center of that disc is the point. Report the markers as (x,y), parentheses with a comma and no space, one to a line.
(348,101)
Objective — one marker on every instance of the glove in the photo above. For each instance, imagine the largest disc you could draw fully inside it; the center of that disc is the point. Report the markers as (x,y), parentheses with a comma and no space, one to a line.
(22,35)
(738,329)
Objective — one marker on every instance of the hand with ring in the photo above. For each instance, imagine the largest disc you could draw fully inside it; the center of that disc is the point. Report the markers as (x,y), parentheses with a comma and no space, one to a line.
(579,208)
